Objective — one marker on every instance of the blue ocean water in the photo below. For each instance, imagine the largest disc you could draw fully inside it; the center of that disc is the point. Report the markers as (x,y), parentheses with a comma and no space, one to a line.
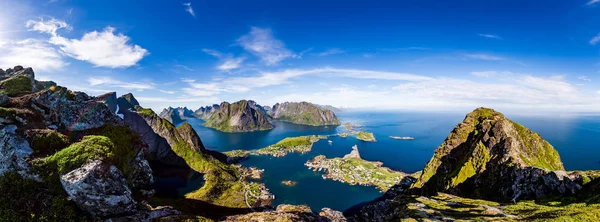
(576,139)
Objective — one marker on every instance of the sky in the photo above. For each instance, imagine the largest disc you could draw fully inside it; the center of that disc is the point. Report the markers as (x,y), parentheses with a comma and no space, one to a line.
(510,55)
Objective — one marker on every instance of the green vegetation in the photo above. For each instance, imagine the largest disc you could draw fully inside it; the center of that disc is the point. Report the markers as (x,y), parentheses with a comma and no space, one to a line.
(252,121)
(538,152)
(365,136)
(301,144)
(237,153)
(554,211)
(28,200)
(16,85)
(144,111)
(305,113)
(77,154)
(48,142)
(7,112)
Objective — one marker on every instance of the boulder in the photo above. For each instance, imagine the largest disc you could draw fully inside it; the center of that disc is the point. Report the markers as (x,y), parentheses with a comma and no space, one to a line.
(100,189)
(141,178)
(14,150)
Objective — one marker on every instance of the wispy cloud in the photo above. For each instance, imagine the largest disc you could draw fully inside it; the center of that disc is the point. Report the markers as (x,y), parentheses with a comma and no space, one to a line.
(596,39)
(490,36)
(486,57)
(262,43)
(584,78)
(46,26)
(591,2)
(186,80)
(114,83)
(189,9)
(484,73)
(227,61)
(167,92)
(332,51)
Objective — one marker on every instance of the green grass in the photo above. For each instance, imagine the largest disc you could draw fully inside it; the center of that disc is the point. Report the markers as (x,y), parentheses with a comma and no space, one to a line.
(291,144)
(538,152)
(17,85)
(90,148)
(365,136)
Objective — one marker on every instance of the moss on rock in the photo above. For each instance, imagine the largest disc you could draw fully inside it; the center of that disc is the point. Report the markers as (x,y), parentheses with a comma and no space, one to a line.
(17,85)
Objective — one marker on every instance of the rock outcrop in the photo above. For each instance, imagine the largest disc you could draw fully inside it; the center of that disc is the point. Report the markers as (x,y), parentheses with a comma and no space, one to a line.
(99,188)
(14,150)
(285,212)
(303,113)
(238,117)
(489,156)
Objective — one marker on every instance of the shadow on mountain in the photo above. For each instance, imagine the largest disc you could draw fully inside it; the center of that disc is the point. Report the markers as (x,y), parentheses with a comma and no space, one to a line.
(200,208)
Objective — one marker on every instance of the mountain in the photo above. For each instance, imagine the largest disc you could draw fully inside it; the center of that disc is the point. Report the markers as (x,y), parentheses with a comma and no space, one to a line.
(489,156)
(330,107)
(206,111)
(303,113)
(240,116)
(176,115)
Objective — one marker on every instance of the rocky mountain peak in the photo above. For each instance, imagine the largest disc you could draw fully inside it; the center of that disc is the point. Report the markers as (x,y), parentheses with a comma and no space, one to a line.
(304,113)
(238,117)
(487,154)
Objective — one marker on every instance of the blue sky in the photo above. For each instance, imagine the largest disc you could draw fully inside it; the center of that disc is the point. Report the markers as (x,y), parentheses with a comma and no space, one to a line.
(522,56)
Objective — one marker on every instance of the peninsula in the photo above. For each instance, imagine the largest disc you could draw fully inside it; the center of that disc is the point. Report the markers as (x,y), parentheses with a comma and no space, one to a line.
(300,144)
(353,170)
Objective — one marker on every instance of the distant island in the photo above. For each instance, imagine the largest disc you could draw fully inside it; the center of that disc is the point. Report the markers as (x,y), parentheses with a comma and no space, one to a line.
(354,170)
(365,136)
(289,183)
(300,144)
(402,137)
(247,115)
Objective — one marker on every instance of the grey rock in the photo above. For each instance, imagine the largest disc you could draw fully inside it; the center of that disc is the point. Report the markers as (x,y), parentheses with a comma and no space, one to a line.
(99,188)
(110,99)
(141,175)
(3,99)
(332,215)
(14,149)
(147,216)
(205,112)
(74,111)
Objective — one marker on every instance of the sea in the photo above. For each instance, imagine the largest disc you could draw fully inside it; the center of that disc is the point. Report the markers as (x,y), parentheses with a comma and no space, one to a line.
(576,138)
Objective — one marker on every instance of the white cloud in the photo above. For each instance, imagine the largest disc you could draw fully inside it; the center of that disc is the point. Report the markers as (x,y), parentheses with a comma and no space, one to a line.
(484,73)
(591,2)
(490,36)
(486,57)
(245,84)
(595,40)
(189,9)
(230,63)
(227,62)
(31,53)
(584,78)
(110,82)
(103,49)
(46,26)
(261,43)
(184,67)
(167,92)
(331,52)
(187,80)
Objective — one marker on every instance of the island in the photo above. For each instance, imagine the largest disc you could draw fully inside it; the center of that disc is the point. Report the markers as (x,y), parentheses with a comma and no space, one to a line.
(289,183)
(352,169)
(402,137)
(365,136)
(301,144)
(343,135)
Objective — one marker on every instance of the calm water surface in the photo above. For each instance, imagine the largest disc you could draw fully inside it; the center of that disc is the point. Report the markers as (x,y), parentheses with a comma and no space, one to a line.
(576,139)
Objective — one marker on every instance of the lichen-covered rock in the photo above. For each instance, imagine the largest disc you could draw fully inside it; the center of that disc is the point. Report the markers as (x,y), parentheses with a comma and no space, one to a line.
(147,215)
(141,178)
(99,188)
(304,113)
(489,156)
(74,111)
(14,150)
(3,98)
(286,212)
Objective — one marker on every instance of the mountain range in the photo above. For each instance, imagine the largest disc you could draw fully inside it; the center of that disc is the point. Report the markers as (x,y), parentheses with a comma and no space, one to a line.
(68,156)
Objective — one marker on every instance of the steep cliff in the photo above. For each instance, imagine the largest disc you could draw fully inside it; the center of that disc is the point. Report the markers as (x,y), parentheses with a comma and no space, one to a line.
(303,113)
(489,156)
(238,117)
